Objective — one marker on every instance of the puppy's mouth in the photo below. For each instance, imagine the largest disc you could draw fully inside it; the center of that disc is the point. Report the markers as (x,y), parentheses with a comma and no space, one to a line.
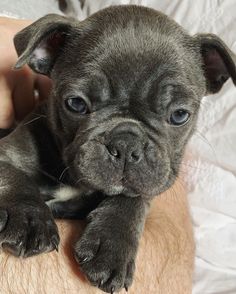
(112,187)
(123,187)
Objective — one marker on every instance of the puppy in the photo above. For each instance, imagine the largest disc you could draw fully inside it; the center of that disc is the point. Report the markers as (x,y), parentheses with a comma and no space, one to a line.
(127,86)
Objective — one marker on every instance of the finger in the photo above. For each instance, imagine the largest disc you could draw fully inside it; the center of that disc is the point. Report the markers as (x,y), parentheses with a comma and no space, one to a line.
(43,85)
(23,94)
(6,104)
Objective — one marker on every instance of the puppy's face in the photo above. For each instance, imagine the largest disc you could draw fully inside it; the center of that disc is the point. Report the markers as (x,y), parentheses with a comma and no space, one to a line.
(127,88)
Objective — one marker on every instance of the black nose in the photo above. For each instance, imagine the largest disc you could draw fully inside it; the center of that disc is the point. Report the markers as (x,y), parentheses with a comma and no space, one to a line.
(125,150)
(126,143)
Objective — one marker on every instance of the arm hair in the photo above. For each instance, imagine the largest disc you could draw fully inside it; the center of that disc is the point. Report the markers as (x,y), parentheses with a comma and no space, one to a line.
(164,263)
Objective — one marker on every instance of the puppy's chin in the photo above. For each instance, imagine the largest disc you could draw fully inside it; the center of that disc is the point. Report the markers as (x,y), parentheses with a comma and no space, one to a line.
(115,189)
(107,189)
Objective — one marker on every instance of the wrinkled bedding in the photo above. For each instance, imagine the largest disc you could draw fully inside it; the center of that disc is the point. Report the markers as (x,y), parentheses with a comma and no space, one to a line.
(209,166)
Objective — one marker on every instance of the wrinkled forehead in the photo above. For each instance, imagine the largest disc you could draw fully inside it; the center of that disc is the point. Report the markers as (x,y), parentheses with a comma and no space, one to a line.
(127,56)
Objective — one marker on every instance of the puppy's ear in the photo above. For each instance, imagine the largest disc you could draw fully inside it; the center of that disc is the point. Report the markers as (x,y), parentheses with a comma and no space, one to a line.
(218,62)
(39,44)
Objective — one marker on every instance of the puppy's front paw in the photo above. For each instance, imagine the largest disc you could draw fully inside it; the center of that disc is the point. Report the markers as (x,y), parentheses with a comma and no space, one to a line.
(27,230)
(106,258)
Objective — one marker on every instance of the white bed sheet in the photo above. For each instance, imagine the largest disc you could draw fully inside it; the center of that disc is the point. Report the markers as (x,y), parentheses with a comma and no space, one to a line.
(210,162)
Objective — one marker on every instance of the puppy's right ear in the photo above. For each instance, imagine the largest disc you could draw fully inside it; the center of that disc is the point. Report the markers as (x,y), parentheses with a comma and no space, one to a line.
(39,44)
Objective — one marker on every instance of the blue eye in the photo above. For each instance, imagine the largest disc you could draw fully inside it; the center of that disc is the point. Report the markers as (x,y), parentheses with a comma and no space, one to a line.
(77,104)
(179,117)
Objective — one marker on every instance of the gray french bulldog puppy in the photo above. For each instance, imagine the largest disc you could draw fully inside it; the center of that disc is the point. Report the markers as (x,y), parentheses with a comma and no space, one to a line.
(127,86)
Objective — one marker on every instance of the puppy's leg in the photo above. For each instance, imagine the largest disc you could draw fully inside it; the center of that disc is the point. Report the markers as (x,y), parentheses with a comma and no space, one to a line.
(106,251)
(26,225)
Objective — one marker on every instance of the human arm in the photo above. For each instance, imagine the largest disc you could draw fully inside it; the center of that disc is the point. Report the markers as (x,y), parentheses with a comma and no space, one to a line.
(164,262)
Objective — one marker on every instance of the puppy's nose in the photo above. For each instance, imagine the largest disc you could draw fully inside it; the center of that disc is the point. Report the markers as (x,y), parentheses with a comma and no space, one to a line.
(126,148)
(126,143)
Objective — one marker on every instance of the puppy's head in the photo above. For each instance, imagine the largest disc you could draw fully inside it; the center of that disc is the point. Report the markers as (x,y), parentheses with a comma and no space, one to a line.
(127,85)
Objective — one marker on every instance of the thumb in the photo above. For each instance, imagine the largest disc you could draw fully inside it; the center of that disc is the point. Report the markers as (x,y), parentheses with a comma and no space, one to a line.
(6,105)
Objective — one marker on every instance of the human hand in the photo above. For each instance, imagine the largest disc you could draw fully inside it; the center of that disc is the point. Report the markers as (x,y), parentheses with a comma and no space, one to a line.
(17,87)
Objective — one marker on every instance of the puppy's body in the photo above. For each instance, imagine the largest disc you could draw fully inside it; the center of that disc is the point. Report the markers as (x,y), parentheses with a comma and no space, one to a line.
(127,85)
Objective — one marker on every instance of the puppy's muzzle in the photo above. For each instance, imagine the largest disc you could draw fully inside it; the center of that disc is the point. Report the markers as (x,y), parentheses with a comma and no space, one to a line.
(126,143)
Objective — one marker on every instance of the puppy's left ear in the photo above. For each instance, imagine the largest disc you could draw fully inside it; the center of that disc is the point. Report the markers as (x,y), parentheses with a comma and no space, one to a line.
(39,44)
(218,62)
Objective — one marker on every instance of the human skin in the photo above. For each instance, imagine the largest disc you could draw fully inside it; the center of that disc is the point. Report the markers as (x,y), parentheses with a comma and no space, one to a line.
(17,97)
(165,257)
(164,262)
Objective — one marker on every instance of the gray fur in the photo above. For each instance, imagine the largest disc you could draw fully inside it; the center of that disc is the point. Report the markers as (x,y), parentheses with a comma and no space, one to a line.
(134,67)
